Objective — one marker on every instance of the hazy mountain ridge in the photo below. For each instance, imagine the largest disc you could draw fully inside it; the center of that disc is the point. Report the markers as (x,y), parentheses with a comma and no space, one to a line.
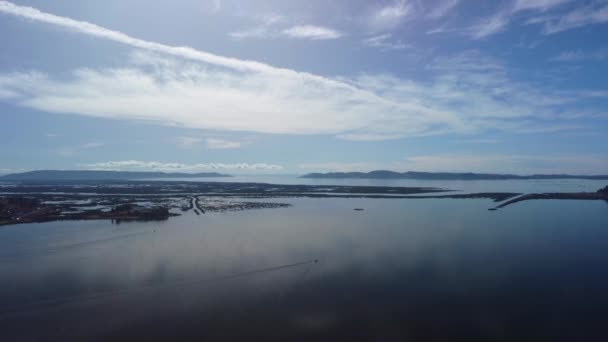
(101,175)
(384,174)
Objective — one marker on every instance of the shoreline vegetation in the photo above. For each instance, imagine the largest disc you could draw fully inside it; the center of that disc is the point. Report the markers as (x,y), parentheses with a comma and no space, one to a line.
(29,202)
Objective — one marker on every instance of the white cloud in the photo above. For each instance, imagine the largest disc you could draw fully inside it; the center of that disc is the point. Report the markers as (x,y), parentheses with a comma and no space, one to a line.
(255,32)
(470,93)
(263,29)
(171,94)
(311,32)
(470,61)
(221,144)
(480,141)
(7,94)
(384,42)
(465,93)
(578,55)
(489,26)
(91,145)
(24,78)
(551,129)
(499,21)
(187,142)
(442,29)
(343,166)
(178,51)
(443,8)
(593,13)
(267,28)
(270,18)
(538,5)
(71,150)
(137,165)
(390,16)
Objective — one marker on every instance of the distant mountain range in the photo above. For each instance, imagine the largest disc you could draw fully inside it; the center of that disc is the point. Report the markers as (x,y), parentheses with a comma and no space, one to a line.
(70,175)
(382,174)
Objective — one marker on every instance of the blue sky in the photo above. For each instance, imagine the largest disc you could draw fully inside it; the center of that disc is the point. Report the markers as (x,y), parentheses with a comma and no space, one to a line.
(275,86)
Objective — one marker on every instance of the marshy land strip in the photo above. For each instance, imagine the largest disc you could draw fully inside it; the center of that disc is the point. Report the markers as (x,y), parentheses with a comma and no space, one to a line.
(40,201)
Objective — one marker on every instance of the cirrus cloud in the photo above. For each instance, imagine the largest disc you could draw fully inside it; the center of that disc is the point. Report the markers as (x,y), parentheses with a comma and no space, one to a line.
(221,144)
(390,16)
(187,142)
(181,86)
(384,42)
(592,13)
(443,8)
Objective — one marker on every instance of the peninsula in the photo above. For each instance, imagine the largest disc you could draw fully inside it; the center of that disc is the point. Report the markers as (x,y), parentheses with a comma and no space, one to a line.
(120,200)
(143,200)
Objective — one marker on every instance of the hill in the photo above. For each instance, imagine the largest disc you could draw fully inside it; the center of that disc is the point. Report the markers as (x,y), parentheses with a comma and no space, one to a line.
(383,174)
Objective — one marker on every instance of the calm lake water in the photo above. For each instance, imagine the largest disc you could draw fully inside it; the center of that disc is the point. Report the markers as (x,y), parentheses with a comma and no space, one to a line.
(412,269)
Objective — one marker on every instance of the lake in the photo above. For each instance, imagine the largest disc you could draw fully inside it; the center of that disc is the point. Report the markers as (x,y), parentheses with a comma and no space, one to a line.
(401,269)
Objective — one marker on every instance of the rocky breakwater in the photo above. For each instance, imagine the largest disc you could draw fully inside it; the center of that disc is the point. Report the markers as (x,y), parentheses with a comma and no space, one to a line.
(601,194)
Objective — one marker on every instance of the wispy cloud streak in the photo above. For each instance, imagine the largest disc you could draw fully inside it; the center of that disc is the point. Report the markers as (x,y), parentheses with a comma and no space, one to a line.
(138,165)
(578,55)
(443,8)
(179,51)
(312,32)
(499,21)
(390,16)
(594,13)
(221,144)
(384,42)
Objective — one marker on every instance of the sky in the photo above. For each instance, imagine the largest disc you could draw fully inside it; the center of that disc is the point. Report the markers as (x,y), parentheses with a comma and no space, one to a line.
(271,86)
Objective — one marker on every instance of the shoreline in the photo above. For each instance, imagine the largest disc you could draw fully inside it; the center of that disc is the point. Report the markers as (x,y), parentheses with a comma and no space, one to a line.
(153,201)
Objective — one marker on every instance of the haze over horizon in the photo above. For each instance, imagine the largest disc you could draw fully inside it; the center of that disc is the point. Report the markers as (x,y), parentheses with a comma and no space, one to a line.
(271,87)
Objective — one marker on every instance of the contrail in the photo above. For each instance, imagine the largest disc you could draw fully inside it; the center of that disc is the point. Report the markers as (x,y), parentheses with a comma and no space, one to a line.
(362,95)
(40,305)
(179,51)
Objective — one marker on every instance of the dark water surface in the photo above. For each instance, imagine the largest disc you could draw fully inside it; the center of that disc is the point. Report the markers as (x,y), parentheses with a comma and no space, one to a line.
(421,270)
